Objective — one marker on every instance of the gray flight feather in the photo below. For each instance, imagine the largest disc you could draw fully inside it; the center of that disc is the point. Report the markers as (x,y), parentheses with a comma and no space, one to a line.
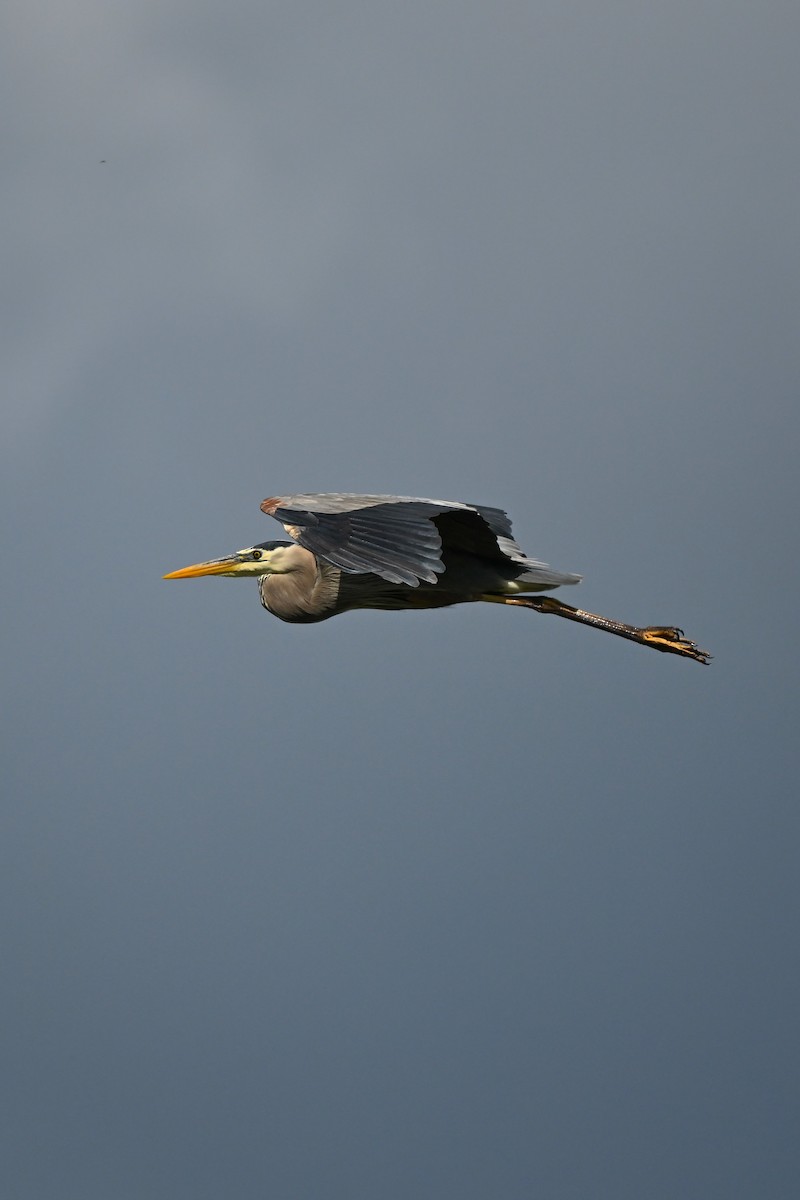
(402,538)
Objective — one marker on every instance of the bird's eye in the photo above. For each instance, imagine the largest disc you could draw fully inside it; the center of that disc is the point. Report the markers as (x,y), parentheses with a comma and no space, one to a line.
(257,554)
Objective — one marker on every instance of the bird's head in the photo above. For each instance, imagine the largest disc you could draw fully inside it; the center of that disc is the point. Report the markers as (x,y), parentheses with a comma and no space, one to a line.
(267,558)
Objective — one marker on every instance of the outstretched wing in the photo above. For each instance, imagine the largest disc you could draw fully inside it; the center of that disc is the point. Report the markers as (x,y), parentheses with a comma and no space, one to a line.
(390,536)
(401,538)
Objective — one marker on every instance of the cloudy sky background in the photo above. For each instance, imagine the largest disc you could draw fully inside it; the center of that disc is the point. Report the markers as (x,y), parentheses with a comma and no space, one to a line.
(458,904)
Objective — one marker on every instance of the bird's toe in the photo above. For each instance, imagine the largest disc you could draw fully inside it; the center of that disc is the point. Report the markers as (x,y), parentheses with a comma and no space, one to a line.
(671,639)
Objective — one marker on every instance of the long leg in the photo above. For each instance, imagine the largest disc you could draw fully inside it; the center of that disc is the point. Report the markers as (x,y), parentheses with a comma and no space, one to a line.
(659,637)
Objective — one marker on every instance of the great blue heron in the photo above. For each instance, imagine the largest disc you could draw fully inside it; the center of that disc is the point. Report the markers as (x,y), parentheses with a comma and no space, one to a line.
(399,552)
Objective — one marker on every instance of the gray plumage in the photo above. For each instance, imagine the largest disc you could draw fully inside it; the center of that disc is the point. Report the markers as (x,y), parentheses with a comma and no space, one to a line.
(403,552)
(406,539)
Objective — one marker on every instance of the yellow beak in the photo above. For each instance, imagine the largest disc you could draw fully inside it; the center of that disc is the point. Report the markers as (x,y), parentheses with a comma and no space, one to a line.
(217,566)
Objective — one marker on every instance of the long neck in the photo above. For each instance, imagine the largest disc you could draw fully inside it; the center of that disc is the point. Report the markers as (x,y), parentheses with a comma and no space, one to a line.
(306,593)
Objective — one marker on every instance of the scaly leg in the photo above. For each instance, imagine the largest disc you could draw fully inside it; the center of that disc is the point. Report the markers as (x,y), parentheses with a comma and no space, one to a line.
(659,637)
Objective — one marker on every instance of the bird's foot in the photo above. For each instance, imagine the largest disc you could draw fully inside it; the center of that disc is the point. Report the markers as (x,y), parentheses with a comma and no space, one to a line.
(667,638)
(671,640)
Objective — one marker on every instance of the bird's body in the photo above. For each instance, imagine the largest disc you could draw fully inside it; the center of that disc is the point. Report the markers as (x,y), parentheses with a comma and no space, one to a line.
(315,590)
(401,552)
(424,554)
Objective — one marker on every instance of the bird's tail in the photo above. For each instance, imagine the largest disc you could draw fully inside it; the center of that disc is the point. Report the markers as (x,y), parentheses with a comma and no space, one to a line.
(538,575)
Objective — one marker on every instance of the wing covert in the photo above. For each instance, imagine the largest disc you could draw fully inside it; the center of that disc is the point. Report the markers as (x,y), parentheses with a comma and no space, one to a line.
(392,537)
(402,538)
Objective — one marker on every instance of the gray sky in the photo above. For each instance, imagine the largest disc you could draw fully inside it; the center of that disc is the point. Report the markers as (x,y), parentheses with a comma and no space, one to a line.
(463,904)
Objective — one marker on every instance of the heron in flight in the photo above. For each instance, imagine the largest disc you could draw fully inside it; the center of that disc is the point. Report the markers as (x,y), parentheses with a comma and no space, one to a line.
(401,552)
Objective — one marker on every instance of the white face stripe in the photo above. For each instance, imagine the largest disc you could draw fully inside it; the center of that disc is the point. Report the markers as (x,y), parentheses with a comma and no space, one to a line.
(279,560)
